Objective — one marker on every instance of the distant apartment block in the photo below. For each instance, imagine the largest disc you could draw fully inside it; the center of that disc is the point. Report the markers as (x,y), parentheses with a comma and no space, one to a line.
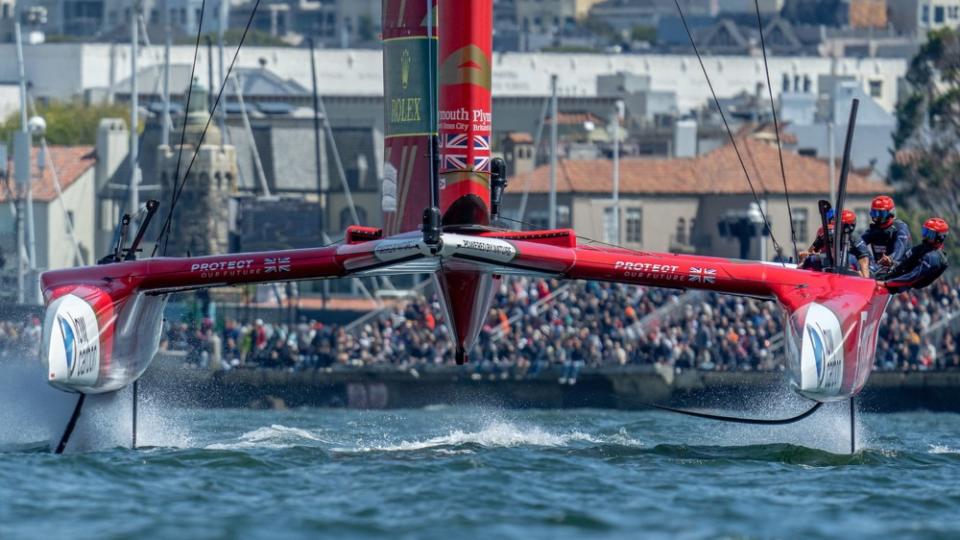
(629,14)
(548,15)
(917,17)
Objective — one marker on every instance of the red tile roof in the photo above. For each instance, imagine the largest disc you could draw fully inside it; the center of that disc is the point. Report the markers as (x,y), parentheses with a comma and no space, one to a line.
(520,137)
(717,172)
(70,162)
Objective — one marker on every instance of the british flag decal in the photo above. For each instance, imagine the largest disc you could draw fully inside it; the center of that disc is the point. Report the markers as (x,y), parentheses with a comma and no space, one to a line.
(454,162)
(481,164)
(703,275)
(279,264)
(481,142)
(454,141)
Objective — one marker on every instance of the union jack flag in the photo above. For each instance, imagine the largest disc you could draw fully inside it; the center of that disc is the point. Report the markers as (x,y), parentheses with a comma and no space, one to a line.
(281,264)
(703,275)
(454,162)
(455,141)
(481,164)
(481,142)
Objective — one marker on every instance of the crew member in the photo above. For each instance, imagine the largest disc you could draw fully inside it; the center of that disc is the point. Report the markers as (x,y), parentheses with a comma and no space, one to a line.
(887,237)
(924,262)
(816,257)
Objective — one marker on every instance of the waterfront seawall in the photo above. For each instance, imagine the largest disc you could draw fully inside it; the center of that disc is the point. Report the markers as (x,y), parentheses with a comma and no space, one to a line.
(627,387)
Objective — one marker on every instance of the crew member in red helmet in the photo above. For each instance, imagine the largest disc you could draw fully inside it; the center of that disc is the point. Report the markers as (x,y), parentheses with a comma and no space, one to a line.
(859,257)
(887,237)
(924,262)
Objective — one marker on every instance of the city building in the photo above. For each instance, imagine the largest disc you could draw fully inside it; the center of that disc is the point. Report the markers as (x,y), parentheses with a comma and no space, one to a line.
(917,17)
(625,15)
(70,71)
(676,204)
(810,118)
(64,225)
(548,16)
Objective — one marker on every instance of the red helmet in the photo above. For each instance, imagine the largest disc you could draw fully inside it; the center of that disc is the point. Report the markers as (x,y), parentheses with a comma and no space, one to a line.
(882,210)
(935,230)
(849,220)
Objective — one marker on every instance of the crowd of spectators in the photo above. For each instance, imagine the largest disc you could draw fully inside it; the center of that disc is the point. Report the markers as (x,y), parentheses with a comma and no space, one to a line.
(535,324)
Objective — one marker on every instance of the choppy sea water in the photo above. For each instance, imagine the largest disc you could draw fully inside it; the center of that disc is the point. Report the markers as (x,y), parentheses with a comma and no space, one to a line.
(468,472)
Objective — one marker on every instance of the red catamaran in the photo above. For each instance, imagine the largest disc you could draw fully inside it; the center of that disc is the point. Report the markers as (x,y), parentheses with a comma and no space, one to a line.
(103,323)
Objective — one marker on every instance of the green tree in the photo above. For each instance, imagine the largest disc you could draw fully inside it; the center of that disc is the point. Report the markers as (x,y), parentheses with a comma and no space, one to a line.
(926,167)
(644,33)
(68,123)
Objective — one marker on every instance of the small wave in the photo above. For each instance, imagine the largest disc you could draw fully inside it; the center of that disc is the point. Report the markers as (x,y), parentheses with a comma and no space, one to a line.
(492,435)
(942,449)
(275,436)
(789,454)
(623,438)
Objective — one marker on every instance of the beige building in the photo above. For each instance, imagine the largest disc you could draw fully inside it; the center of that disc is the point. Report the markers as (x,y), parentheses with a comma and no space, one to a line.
(675,205)
(74,167)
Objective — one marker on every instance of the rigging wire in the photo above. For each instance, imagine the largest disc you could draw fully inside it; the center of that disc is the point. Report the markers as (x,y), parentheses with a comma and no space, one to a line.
(776,129)
(203,134)
(733,141)
(167,222)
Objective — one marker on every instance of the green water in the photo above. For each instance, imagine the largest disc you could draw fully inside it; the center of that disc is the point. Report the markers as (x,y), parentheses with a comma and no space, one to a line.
(464,472)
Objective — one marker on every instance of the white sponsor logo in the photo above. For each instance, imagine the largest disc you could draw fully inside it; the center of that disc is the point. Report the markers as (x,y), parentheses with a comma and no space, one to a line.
(821,352)
(231,268)
(391,250)
(662,272)
(71,346)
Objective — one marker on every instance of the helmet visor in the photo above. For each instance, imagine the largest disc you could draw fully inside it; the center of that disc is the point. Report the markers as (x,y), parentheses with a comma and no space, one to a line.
(880,215)
(930,234)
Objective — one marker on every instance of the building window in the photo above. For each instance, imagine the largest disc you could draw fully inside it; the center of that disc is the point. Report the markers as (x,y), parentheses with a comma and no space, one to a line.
(563,216)
(609,226)
(925,14)
(876,89)
(681,234)
(801,220)
(635,225)
(954,12)
(938,14)
(69,222)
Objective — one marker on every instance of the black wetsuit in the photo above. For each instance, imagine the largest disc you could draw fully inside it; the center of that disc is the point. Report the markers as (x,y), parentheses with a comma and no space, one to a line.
(893,241)
(856,250)
(921,267)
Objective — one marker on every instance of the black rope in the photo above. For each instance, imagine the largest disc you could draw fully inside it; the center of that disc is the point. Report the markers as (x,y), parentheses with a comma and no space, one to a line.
(738,420)
(183,134)
(203,134)
(776,128)
(726,124)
